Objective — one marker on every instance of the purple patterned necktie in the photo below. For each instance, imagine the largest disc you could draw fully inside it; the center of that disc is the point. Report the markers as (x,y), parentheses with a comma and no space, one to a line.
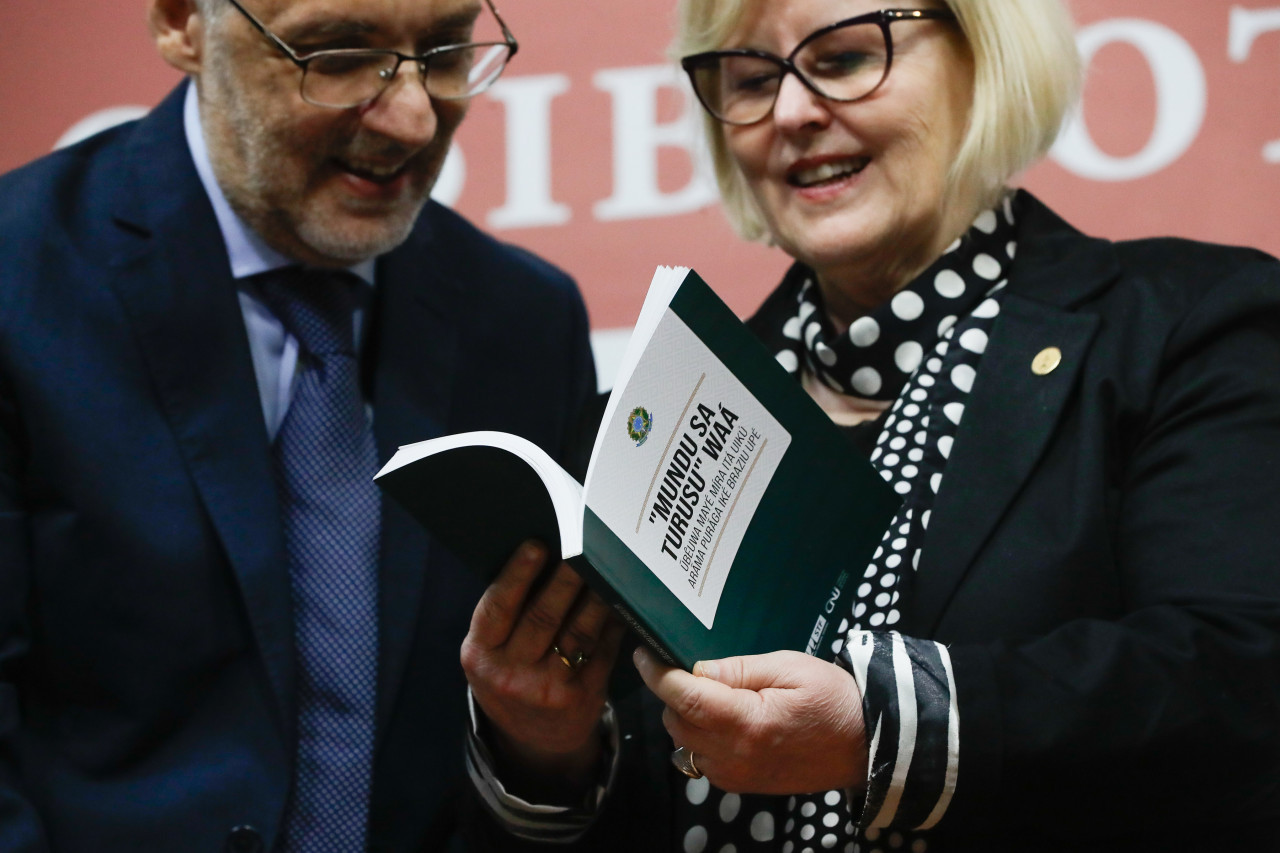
(325,459)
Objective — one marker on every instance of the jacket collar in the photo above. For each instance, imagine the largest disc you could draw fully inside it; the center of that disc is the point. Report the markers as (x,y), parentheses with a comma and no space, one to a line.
(172,275)
(1013,411)
(414,340)
(1056,264)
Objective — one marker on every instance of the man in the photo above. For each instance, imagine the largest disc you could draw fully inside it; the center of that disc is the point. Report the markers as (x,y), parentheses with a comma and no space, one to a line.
(213,634)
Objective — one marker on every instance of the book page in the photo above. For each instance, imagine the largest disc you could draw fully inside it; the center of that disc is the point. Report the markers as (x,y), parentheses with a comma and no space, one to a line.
(457,471)
(666,281)
(682,463)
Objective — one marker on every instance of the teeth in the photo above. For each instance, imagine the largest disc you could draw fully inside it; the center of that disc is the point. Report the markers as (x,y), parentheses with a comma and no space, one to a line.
(827,171)
(376,172)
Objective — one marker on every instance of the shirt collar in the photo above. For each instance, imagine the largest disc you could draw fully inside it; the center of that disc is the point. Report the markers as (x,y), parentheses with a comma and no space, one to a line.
(248,253)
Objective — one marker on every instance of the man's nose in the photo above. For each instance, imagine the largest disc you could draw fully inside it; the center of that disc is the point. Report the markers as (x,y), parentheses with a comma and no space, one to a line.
(404,111)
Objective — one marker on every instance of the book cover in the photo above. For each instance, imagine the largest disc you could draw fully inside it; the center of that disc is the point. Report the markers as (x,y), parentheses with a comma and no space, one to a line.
(722,512)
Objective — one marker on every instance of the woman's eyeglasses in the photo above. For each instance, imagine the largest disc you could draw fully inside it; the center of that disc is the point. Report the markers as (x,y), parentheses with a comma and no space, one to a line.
(845,61)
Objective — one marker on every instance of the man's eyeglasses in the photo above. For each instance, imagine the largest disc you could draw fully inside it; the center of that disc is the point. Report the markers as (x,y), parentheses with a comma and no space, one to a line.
(846,61)
(348,78)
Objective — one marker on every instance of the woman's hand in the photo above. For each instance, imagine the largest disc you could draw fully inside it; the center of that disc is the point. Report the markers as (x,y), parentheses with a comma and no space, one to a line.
(538,659)
(781,723)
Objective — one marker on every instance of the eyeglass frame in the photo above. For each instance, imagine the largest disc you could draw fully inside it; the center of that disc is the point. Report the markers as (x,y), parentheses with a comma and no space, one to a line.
(302,60)
(882,17)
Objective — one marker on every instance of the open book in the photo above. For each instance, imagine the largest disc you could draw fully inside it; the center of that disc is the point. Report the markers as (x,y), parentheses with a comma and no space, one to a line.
(723,513)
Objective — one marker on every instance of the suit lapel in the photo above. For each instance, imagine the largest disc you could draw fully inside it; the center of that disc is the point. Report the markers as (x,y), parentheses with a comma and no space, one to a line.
(1012,412)
(176,285)
(1007,423)
(415,340)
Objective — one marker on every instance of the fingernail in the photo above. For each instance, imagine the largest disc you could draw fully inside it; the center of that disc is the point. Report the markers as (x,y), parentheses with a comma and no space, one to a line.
(707,669)
(531,551)
(640,657)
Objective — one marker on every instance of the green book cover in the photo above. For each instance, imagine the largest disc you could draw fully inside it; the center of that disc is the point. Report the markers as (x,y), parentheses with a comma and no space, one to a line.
(723,513)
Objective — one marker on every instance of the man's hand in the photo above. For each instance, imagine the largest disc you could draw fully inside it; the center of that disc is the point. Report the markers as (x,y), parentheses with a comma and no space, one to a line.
(538,659)
(781,723)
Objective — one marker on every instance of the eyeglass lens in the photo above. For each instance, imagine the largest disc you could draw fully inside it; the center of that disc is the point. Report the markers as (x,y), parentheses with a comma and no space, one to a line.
(844,64)
(345,78)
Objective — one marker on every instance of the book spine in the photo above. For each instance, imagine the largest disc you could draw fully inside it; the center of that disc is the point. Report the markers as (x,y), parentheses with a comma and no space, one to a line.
(611,597)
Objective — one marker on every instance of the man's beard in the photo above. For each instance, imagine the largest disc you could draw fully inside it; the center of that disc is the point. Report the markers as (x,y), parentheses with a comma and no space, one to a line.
(274,209)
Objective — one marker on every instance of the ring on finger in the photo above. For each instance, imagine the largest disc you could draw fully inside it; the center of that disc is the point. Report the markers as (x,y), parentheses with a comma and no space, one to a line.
(682,758)
(574,661)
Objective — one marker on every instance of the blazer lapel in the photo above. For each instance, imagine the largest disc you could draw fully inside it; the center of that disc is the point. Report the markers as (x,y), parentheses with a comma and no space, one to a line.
(175,283)
(1012,411)
(415,340)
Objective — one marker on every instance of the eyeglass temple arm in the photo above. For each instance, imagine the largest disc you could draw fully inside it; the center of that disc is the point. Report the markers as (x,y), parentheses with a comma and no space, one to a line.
(506,31)
(272,37)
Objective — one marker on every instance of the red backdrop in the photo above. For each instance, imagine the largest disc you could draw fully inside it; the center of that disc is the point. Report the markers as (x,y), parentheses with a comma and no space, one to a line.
(1181,122)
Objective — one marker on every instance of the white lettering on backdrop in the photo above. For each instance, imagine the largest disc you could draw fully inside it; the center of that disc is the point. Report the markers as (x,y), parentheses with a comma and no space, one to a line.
(1246,26)
(1181,100)
(527,101)
(639,137)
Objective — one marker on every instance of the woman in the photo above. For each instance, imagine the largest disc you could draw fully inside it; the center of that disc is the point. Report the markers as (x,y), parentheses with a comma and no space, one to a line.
(1071,636)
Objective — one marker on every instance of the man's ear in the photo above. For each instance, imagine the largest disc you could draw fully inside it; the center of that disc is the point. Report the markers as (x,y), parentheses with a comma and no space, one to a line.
(179,31)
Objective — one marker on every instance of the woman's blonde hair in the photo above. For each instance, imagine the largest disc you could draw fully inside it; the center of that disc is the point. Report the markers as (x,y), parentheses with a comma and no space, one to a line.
(1027,76)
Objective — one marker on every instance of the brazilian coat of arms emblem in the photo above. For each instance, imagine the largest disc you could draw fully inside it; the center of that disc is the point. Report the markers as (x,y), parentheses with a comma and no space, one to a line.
(639,424)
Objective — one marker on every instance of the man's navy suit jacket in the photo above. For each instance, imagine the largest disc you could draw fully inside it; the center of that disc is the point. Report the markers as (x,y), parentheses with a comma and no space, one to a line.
(147,669)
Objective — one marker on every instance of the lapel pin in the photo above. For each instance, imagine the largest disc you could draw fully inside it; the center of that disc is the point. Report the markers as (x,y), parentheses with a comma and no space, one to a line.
(1046,361)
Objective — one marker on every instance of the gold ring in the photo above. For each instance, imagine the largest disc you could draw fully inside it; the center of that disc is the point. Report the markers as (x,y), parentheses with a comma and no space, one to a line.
(682,758)
(574,662)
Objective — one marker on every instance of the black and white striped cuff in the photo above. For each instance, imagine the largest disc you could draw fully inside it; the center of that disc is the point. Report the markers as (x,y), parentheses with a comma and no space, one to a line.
(533,821)
(912,727)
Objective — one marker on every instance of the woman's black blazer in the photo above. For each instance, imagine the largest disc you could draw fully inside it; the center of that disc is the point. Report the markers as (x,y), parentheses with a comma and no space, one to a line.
(1103,561)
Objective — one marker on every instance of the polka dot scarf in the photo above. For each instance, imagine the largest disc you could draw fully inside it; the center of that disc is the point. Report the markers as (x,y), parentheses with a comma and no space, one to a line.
(924,352)
(874,358)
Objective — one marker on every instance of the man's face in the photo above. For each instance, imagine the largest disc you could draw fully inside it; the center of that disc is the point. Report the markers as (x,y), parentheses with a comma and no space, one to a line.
(328,187)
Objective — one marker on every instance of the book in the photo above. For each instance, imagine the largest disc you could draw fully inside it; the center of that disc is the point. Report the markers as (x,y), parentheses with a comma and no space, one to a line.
(722,512)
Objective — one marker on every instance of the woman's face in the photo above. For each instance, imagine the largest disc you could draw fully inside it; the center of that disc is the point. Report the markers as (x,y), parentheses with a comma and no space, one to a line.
(858,191)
